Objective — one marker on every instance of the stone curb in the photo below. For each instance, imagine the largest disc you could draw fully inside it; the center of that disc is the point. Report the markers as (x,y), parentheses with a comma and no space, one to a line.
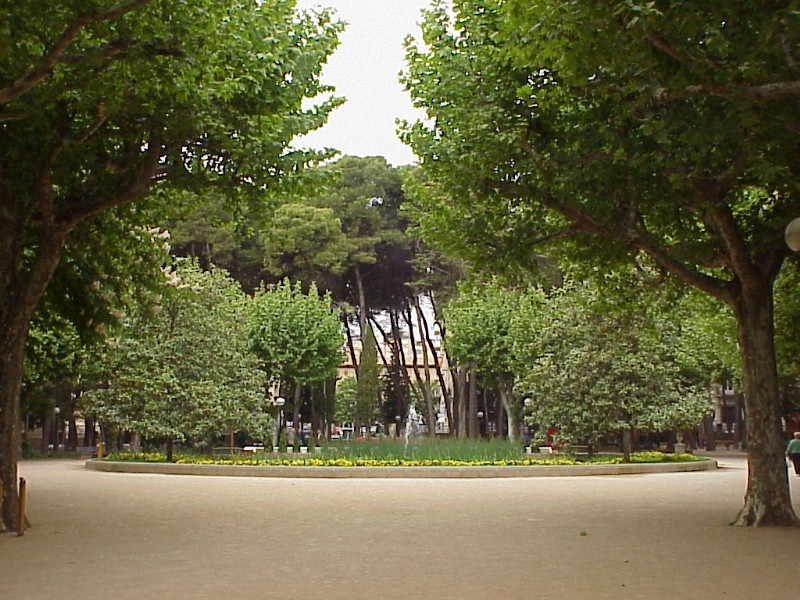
(399,472)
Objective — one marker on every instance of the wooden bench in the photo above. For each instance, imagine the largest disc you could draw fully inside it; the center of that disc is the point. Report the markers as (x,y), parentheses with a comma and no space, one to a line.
(226,451)
(579,450)
(726,443)
(86,452)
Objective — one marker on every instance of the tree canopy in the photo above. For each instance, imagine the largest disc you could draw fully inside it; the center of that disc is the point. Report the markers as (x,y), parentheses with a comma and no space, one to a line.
(596,369)
(103,101)
(186,371)
(659,133)
(296,335)
(480,322)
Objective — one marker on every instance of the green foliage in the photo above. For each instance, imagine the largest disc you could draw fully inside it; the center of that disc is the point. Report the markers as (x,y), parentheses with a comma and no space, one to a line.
(89,292)
(366,196)
(207,229)
(702,334)
(296,335)
(184,370)
(346,400)
(479,322)
(106,103)
(348,232)
(594,370)
(426,453)
(604,126)
(660,134)
(368,386)
(787,322)
(215,88)
(307,240)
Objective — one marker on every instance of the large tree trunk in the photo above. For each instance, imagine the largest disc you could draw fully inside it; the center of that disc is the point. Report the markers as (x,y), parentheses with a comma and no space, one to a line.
(472,408)
(362,302)
(627,444)
(512,412)
(767,501)
(12,348)
(20,292)
(462,386)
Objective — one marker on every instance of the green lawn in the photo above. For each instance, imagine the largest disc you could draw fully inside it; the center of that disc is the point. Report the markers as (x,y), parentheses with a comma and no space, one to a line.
(419,452)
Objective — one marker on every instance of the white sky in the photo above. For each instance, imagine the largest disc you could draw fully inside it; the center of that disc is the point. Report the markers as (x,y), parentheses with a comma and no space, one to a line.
(364,69)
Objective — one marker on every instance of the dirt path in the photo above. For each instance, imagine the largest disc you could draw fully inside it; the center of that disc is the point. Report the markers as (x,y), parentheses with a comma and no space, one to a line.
(102,535)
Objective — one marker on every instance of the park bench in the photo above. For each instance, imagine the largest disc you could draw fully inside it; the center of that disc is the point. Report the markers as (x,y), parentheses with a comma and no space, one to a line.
(86,452)
(225,451)
(579,450)
(726,443)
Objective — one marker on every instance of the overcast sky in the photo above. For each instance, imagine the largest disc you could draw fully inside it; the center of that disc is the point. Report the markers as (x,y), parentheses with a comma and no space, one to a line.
(364,69)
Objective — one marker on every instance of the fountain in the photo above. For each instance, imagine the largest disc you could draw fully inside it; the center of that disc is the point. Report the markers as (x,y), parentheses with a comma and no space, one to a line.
(413,425)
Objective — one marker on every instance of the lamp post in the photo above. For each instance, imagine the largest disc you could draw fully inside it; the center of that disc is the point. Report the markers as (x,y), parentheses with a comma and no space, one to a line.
(280,401)
(792,235)
(480,423)
(526,429)
(56,427)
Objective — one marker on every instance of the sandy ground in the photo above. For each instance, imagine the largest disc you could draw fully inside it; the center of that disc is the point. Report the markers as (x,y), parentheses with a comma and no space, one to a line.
(104,535)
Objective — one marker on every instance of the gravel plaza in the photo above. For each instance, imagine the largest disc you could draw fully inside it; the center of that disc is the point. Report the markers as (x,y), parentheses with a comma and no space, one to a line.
(117,535)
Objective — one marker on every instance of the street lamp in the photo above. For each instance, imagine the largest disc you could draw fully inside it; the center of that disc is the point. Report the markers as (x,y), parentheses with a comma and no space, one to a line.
(526,429)
(56,427)
(280,402)
(792,235)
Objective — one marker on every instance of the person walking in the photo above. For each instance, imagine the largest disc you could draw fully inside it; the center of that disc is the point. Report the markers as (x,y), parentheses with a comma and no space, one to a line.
(793,452)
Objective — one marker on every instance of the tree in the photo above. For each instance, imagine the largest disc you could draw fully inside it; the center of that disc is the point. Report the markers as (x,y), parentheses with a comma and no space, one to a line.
(480,321)
(368,387)
(595,370)
(366,197)
(100,101)
(346,399)
(305,242)
(661,133)
(296,335)
(214,235)
(89,291)
(186,371)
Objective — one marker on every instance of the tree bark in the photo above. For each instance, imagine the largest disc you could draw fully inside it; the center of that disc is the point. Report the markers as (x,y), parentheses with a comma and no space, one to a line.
(19,295)
(512,412)
(627,444)
(350,345)
(461,402)
(398,357)
(446,394)
(472,409)
(362,302)
(296,418)
(767,500)
(432,412)
(11,355)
